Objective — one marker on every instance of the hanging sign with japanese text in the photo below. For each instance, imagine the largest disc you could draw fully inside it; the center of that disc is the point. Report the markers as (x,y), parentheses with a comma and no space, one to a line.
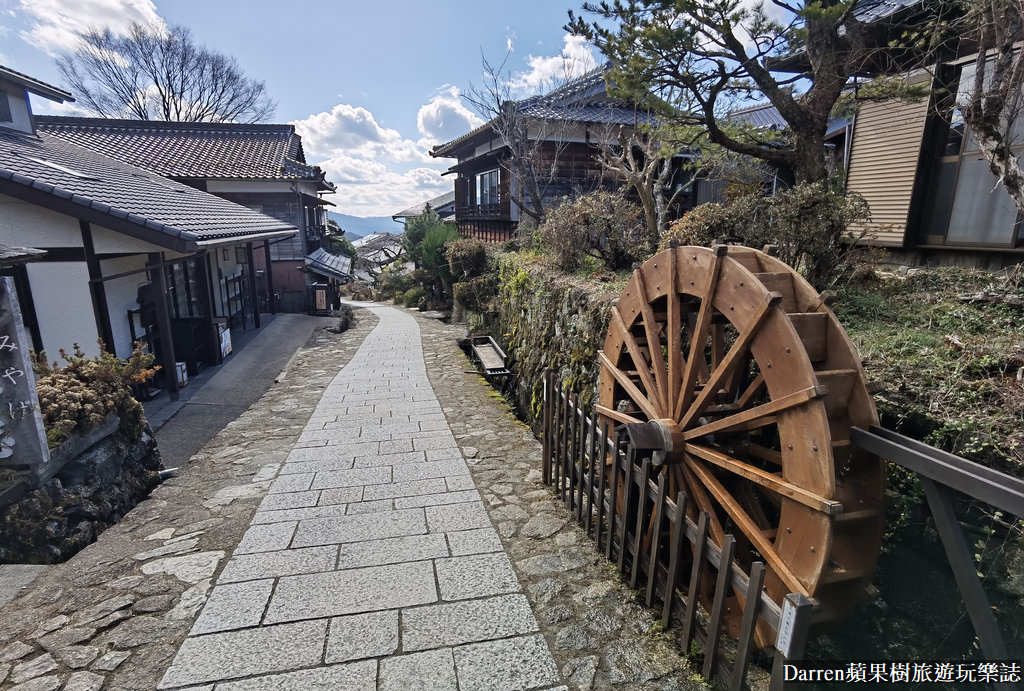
(22,437)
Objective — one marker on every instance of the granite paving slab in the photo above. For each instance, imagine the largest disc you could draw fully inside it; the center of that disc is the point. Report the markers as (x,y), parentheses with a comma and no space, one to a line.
(368,524)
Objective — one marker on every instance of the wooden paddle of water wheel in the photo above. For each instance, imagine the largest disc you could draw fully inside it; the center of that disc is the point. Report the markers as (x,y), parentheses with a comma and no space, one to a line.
(754,384)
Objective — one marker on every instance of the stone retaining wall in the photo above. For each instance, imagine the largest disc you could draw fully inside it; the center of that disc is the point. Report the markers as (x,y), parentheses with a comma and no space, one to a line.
(544,318)
(101,477)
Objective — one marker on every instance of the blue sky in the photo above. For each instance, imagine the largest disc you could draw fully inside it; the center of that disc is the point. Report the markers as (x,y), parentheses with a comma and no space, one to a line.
(371,86)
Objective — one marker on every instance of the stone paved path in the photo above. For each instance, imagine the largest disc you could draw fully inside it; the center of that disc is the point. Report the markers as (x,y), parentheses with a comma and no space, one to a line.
(371,563)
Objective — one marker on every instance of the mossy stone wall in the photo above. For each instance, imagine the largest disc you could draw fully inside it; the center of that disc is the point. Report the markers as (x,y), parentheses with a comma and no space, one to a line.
(543,318)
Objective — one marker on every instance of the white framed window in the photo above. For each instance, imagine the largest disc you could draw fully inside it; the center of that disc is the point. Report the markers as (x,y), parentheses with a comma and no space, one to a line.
(487,187)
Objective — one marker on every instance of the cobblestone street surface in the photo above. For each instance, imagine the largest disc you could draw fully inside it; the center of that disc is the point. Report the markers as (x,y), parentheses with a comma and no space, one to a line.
(378,527)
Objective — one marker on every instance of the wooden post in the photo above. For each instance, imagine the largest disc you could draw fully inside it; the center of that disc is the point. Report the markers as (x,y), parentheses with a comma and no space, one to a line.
(627,491)
(641,509)
(548,402)
(271,302)
(163,322)
(579,472)
(595,442)
(652,562)
(793,629)
(748,626)
(602,482)
(254,299)
(206,309)
(675,559)
(722,587)
(97,291)
(699,550)
(613,503)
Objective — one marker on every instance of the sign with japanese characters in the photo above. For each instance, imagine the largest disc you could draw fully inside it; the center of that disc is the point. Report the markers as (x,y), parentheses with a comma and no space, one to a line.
(22,437)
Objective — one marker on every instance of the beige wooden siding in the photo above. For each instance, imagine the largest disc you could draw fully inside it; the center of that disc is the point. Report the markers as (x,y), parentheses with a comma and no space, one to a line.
(883,160)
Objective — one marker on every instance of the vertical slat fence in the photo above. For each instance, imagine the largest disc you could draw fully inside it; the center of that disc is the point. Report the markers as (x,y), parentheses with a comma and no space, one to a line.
(619,497)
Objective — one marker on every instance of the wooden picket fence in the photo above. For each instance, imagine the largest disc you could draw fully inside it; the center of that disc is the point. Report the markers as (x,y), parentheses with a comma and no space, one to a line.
(641,534)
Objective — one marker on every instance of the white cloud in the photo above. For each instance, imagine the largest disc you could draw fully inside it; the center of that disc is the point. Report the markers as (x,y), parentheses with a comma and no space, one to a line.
(446,117)
(371,188)
(56,24)
(576,58)
(366,160)
(353,131)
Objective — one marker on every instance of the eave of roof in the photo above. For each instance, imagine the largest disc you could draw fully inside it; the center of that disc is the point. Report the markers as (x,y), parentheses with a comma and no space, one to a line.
(84,184)
(33,85)
(193,150)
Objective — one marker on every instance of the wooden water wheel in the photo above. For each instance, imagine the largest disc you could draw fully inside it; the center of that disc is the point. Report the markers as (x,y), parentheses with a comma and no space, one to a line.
(743,365)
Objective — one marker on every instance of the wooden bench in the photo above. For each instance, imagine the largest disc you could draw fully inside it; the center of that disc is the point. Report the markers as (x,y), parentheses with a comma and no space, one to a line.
(491,357)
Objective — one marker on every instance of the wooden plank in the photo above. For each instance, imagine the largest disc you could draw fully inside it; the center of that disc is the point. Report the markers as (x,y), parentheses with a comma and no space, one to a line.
(650,388)
(732,359)
(489,358)
(762,412)
(602,481)
(812,328)
(747,525)
(674,335)
(674,560)
(767,480)
(699,548)
(549,376)
(631,389)
(579,466)
(616,415)
(572,447)
(748,626)
(627,492)
(612,499)
(653,342)
(722,587)
(655,537)
(595,446)
(700,334)
(638,529)
(560,451)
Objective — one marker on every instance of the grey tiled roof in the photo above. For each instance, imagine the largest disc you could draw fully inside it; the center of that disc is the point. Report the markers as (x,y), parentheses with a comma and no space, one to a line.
(329,264)
(88,185)
(875,10)
(436,203)
(762,115)
(191,149)
(583,99)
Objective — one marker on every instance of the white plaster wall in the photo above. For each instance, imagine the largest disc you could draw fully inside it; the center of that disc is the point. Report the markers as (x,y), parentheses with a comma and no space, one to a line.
(218,186)
(106,241)
(28,225)
(63,306)
(223,269)
(16,96)
(121,294)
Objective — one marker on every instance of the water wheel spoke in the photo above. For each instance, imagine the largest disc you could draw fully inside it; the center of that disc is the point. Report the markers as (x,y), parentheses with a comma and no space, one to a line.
(700,333)
(675,333)
(752,391)
(745,523)
(646,405)
(728,364)
(758,416)
(765,479)
(703,502)
(612,414)
(652,329)
(652,392)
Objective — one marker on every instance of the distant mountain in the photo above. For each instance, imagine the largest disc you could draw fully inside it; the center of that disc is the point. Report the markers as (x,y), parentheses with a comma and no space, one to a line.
(357,227)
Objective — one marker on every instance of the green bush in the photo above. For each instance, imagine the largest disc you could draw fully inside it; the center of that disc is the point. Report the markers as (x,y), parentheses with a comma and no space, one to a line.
(477,294)
(601,225)
(467,258)
(809,224)
(393,281)
(77,397)
(414,297)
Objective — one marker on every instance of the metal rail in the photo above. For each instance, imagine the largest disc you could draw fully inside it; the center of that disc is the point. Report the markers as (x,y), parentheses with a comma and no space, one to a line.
(940,472)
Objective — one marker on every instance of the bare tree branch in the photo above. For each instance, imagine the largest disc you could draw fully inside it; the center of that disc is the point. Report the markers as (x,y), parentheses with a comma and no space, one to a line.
(156,74)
